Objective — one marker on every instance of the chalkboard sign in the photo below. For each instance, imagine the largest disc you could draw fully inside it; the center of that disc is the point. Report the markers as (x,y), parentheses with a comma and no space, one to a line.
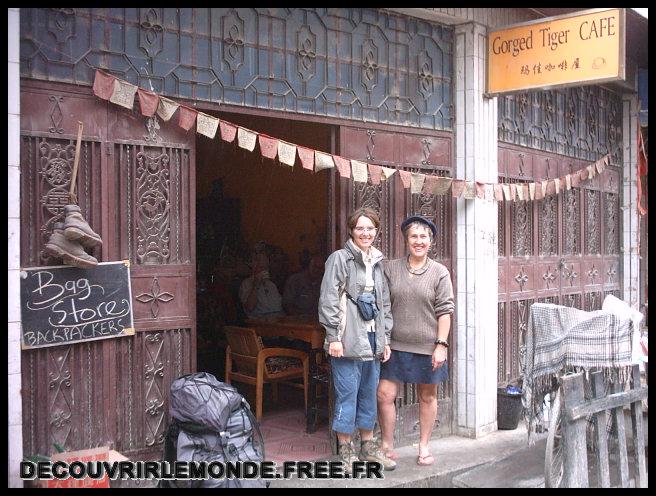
(65,305)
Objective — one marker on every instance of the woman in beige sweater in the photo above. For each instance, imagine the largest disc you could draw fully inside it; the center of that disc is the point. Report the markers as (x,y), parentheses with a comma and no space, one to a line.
(422,303)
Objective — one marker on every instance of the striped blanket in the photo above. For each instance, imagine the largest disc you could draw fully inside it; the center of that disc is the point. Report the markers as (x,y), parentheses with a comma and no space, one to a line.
(560,339)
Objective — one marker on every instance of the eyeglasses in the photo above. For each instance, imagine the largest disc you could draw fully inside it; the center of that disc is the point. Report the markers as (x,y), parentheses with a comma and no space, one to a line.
(365,229)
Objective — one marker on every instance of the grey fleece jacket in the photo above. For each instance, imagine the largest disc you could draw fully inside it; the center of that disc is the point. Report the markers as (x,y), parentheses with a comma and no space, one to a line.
(345,269)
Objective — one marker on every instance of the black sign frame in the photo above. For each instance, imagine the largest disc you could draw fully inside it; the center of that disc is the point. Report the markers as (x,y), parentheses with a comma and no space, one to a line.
(63,305)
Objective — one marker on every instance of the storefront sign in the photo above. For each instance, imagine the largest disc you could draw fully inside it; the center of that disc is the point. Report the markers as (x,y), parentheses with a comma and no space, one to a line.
(65,305)
(584,47)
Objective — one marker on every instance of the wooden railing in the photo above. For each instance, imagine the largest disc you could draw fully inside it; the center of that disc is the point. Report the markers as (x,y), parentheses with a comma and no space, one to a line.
(577,409)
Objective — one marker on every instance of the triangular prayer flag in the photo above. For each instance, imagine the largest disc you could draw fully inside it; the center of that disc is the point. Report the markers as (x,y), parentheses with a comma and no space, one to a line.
(359,171)
(513,191)
(103,85)
(442,185)
(343,166)
(429,185)
(489,192)
(457,185)
(228,131)
(551,187)
(525,191)
(576,180)
(543,185)
(123,94)
(406,178)
(286,153)
(470,190)
(307,157)
(498,192)
(592,170)
(568,181)
(166,108)
(480,190)
(387,172)
(186,117)
(246,139)
(268,146)
(583,174)
(531,191)
(148,102)
(601,166)
(375,172)
(506,191)
(416,182)
(322,161)
(539,195)
(206,125)
(520,193)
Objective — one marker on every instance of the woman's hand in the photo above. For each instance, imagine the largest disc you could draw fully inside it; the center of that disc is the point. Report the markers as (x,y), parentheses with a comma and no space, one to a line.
(335,349)
(387,352)
(439,356)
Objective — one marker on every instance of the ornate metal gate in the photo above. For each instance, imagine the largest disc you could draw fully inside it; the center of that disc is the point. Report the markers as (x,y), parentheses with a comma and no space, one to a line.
(563,249)
(421,151)
(136,187)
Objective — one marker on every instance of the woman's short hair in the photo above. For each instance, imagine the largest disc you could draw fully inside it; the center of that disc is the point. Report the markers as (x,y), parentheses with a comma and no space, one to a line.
(363,212)
(417,224)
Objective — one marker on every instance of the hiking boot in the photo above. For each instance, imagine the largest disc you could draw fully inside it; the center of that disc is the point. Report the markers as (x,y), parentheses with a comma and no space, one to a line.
(346,455)
(370,452)
(71,252)
(77,229)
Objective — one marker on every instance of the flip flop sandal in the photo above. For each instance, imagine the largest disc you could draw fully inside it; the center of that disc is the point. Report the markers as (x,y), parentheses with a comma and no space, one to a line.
(425,460)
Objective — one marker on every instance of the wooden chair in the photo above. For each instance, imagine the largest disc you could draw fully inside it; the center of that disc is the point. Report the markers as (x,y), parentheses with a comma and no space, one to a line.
(248,361)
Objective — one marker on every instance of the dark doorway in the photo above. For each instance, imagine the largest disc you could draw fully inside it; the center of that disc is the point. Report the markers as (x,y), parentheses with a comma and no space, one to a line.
(247,204)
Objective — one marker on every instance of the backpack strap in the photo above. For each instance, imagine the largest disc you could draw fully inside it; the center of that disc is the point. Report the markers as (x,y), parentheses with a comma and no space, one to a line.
(258,439)
(355,301)
(171,441)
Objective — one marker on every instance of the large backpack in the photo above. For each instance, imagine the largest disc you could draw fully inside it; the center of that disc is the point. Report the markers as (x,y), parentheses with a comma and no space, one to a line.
(211,421)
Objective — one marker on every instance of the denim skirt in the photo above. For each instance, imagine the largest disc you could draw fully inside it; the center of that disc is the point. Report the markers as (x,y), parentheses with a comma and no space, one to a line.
(414,368)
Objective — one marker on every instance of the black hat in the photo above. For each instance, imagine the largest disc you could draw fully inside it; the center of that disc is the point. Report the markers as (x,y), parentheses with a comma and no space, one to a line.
(419,218)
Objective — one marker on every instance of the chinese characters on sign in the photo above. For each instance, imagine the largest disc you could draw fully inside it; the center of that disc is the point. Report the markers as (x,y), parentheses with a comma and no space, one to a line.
(537,69)
(585,47)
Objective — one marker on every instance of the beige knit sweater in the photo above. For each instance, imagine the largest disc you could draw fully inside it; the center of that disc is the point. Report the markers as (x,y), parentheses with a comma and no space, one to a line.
(417,301)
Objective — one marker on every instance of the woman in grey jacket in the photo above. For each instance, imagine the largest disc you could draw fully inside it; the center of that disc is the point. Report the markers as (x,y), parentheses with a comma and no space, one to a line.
(356,346)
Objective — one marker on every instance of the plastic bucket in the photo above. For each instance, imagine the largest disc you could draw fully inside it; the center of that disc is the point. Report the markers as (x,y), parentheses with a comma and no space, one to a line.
(509,410)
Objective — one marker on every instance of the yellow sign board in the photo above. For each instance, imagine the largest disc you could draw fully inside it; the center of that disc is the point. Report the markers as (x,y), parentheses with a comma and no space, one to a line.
(584,47)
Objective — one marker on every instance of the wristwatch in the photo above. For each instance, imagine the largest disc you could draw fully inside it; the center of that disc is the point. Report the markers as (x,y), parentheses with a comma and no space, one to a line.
(442,342)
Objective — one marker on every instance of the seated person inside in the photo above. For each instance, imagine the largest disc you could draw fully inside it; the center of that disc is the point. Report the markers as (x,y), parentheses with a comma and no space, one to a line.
(258,294)
(301,295)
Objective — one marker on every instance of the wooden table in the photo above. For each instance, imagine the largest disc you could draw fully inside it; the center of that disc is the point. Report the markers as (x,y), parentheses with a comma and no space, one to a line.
(303,329)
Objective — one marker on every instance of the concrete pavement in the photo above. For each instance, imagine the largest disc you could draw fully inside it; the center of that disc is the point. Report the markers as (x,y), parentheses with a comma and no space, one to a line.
(453,456)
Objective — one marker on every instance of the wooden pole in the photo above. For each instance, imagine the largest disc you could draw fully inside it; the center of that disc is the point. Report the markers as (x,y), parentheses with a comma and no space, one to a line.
(71,194)
(638,433)
(603,471)
(574,442)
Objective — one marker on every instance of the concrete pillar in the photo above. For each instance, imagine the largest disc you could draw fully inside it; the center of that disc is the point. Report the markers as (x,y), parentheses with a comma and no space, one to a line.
(14,401)
(630,221)
(476,234)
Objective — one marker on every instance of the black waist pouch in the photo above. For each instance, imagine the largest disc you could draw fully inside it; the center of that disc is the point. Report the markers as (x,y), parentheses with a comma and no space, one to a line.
(366,304)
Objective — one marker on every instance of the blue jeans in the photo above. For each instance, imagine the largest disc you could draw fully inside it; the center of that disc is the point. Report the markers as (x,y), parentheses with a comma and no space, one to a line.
(355,383)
